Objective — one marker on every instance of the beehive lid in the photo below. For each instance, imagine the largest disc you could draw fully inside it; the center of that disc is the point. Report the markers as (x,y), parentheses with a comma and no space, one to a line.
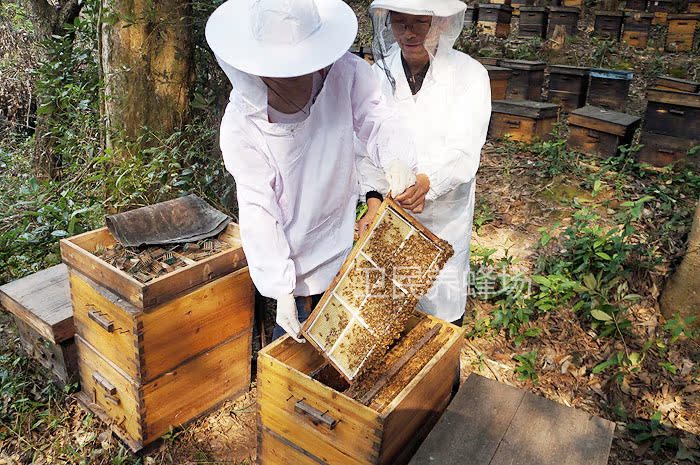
(496,72)
(684,85)
(673,97)
(609,13)
(491,61)
(533,9)
(375,291)
(612,122)
(569,70)
(564,9)
(637,15)
(42,301)
(524,64)
(684,17)
(495,6)
(603,73)
(525,108)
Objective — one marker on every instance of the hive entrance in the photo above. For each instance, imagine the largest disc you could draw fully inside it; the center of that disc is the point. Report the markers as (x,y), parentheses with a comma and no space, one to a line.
(367,306)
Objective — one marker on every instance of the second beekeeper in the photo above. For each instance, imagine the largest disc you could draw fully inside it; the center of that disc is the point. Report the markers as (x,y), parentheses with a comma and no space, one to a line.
(444,97)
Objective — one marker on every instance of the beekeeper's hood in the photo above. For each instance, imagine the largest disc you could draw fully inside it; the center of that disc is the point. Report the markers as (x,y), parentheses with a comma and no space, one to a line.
(277,38)
(446,26)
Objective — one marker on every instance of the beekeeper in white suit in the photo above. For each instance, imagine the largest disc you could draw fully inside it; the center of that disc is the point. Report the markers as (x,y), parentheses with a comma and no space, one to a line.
(298,100)
(444,97)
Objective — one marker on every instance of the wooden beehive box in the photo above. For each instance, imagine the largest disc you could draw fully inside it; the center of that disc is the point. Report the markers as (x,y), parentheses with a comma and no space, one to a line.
(303,420)
(77,253)
(599,131)
(673,113)
(567,86)
(636,5)
(608,24)
(636,31)
(381,281)
(495,19)
(499,78)
(41,307)
(681,32)
(694,6)
(661,150)
(572,3)
(609,88)
(661,9)
(146,369)
(522,120)
(675,84)
(564,16)
(526,79)
(533,21)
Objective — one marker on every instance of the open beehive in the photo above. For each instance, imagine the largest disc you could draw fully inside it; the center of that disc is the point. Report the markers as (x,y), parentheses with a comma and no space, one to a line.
(369,302)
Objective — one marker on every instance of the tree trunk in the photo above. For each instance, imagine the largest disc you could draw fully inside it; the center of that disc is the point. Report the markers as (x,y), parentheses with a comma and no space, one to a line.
(682,292)
(147,61)
(48,20)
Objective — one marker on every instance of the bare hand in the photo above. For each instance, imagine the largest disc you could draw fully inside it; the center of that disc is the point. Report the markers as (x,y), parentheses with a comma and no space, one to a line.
(413,198)
(364,223)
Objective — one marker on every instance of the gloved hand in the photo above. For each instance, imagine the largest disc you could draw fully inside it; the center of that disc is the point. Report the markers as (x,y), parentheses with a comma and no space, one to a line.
(288,318)
(400,176)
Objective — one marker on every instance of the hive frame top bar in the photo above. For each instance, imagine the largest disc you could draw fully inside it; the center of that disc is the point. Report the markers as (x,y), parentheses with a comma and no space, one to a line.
(333,298)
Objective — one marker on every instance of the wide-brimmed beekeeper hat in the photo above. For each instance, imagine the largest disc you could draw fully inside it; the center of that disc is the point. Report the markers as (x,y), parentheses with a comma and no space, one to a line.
(441,8)
(281,38)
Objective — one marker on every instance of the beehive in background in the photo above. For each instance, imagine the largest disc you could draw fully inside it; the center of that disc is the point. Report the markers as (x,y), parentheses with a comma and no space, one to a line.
(368,303)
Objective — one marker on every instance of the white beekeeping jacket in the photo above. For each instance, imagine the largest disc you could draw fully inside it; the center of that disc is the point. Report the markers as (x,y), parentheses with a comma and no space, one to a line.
(296,183)
(448,119)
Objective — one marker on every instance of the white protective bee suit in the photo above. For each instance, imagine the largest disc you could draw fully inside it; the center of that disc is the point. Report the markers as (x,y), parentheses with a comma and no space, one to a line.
(296,183)
(448,118)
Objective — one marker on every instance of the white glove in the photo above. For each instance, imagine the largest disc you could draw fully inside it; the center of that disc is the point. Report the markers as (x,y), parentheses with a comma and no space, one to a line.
(400,176)
(288,318)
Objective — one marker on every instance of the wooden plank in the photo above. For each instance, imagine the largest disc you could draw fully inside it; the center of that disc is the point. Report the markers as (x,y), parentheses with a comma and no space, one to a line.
(193,388)
(473,424)
(546,433)
(191,324)
(42,300)
(60,359)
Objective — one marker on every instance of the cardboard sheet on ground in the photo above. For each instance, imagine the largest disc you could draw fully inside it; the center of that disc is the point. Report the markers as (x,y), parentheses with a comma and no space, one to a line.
(187,219)
(368,303)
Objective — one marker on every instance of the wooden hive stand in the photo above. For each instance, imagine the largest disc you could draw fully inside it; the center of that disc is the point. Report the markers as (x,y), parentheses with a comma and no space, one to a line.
(522,120)
(527,79)
(681,32)
(568,86)
(489,423)
(636,31)
(599,131)
(41,307)
(156,355)
(671,126)
(499,78)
